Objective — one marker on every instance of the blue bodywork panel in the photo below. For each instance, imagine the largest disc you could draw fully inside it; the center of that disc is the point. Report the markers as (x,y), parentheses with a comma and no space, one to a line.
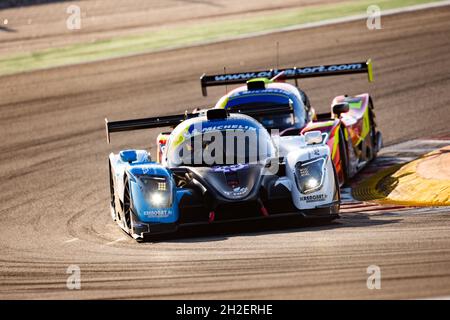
(140,172)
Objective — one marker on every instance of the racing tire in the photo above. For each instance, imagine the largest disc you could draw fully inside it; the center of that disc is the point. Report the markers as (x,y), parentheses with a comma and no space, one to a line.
(373,133)
(338,189)
(343,152)
(113,197)
(127,206)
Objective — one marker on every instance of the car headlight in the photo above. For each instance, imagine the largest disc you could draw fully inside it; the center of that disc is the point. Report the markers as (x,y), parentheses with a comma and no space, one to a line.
(157,190)
(309,175)
(158,199)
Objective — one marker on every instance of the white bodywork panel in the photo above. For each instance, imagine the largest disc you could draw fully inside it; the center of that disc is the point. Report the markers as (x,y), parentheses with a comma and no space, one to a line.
(294,149)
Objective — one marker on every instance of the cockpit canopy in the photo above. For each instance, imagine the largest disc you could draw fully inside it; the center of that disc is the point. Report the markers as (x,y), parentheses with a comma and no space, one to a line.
(237,139)
(268,98)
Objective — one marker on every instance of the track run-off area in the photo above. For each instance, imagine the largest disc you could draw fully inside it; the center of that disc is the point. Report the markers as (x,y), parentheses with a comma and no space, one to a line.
(54,176)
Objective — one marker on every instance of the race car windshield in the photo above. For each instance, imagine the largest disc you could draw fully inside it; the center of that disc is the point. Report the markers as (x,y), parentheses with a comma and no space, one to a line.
(275,121)
(223,147)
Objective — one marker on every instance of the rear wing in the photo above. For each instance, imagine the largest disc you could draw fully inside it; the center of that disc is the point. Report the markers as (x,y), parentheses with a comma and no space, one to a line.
(290,73)
(144,123)
(174,120)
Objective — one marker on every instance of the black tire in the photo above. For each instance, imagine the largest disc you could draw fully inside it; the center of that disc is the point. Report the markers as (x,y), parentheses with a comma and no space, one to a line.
(111,190)
(338,189)
(127,205)
(373,131)
(343,152)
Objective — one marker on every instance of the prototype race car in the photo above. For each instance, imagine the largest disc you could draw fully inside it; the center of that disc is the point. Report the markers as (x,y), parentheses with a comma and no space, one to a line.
(349,130)
(218,167)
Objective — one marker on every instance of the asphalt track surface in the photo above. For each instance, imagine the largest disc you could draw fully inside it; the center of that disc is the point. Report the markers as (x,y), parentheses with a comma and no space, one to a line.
(54,179)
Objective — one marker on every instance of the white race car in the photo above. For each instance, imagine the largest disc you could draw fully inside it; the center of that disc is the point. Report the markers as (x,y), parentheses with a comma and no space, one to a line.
(220,167)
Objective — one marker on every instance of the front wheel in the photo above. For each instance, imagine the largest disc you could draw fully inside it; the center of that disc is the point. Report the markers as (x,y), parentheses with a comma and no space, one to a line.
(343,153)
(127,206)
(112,192)
(337,191)
(375,136)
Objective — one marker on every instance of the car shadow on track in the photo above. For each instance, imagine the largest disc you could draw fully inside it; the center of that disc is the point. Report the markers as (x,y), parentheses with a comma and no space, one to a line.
(221,232)
(6,29)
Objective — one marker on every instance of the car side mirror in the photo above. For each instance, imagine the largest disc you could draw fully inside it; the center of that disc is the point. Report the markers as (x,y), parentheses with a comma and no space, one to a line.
(128,156)
(340,108)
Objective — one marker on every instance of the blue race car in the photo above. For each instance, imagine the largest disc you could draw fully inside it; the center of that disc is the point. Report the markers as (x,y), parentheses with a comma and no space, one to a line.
(219,167)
